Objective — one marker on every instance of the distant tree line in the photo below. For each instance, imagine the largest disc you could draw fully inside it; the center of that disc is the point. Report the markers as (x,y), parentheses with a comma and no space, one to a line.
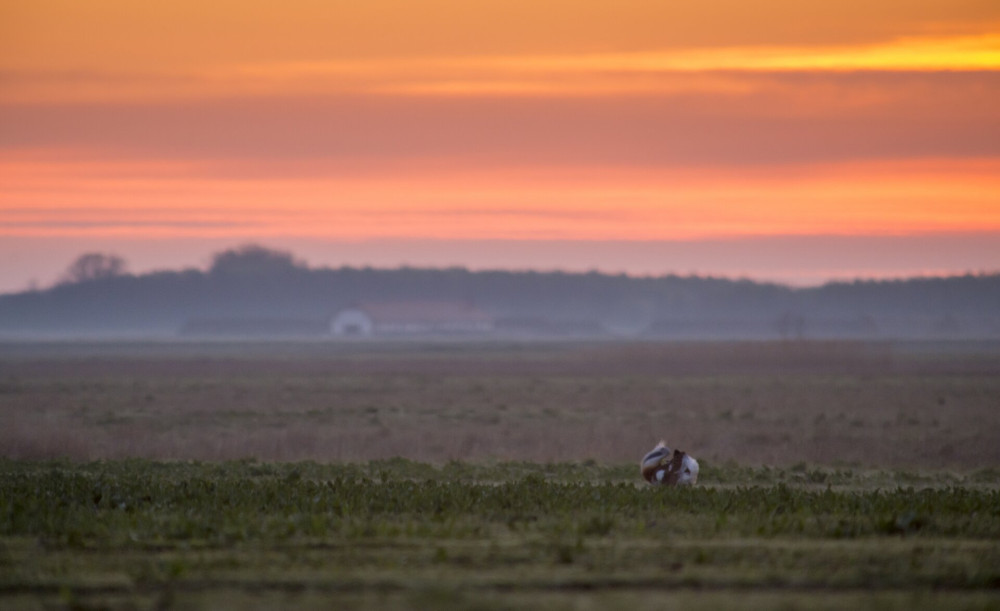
(98,296)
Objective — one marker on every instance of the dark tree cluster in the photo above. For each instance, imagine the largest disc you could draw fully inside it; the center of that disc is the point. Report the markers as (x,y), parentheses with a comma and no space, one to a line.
(97,296)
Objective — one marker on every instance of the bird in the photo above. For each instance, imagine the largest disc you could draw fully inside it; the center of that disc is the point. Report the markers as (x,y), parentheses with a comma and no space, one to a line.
(660,467)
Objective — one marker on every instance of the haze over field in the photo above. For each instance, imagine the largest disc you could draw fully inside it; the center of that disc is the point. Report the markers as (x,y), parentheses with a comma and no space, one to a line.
(255,292)
(778,140)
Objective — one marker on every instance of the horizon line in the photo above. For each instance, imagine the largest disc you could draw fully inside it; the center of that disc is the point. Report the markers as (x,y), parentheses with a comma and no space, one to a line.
(889,278)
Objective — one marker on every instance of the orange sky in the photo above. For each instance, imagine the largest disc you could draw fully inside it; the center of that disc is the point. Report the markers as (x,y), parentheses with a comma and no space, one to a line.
(158,129)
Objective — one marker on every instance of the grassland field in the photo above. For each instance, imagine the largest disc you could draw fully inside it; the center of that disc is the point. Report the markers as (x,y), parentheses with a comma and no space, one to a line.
(456,475)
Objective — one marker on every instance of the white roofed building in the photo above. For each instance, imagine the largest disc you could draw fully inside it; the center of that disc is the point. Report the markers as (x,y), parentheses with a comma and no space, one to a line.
(410,318)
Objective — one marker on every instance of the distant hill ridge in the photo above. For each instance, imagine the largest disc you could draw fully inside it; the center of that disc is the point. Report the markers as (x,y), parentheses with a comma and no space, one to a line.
(254,283)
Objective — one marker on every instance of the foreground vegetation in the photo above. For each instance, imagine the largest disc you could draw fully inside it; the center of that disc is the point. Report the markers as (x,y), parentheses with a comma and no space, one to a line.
(399,534)
(883,490)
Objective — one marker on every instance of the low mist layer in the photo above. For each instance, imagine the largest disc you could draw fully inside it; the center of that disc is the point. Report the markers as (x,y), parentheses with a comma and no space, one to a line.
(253,292)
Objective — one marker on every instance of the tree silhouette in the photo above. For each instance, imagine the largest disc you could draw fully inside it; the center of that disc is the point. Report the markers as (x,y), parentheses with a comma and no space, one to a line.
(94,266)
(254,260)
(251,282)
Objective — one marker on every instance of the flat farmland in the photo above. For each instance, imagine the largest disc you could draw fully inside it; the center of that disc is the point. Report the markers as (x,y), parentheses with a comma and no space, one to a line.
(930,406)
(455,475)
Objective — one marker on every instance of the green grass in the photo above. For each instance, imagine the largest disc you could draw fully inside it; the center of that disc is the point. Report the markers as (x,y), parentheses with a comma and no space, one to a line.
(400,534)
(881,490)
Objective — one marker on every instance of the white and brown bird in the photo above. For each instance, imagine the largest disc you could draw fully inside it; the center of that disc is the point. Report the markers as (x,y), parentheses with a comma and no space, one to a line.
(659,466)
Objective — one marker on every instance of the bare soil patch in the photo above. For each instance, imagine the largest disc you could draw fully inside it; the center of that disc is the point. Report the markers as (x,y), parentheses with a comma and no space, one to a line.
(899,405)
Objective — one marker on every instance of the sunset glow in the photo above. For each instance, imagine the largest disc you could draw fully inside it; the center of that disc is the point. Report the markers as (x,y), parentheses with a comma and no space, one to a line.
(611,205)
(451,123)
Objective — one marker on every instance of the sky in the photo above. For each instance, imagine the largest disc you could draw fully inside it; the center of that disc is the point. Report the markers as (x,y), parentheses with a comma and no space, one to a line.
(777,140)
